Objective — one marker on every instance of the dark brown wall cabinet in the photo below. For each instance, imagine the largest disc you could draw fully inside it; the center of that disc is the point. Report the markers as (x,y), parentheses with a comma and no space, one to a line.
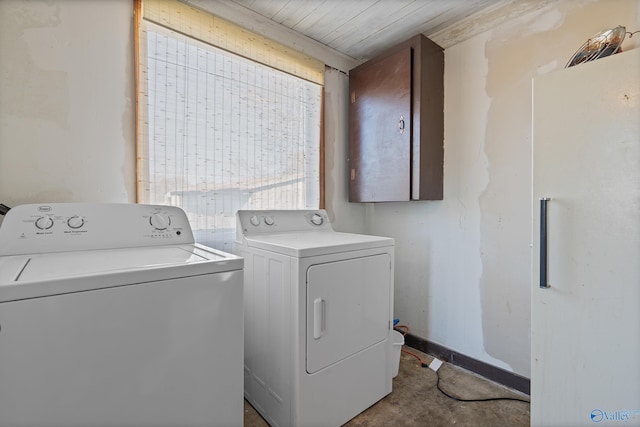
(396,124)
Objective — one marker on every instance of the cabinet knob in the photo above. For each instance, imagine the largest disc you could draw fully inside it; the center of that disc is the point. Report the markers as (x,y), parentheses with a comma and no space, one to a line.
(401,125)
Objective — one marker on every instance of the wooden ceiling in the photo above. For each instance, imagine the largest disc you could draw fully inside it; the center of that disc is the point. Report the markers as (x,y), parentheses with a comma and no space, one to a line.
(360,29)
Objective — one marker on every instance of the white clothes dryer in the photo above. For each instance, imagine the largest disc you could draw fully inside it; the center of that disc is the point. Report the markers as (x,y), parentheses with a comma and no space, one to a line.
(111,315)
(318,317)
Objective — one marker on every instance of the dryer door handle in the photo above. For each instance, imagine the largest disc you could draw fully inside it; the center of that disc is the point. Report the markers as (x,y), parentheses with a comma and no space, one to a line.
(319,318)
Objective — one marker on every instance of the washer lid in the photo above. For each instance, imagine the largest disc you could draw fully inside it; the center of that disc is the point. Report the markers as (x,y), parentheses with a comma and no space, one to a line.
(29,276)
(313,243)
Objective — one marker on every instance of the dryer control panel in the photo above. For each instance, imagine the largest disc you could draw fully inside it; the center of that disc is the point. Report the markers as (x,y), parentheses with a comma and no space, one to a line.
(282,221)
(61,227)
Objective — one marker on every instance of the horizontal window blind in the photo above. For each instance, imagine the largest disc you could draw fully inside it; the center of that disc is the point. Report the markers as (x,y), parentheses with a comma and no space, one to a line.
(218,132)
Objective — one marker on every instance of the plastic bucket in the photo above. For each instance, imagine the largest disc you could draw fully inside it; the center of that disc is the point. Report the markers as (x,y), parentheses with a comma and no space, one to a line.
(397,341)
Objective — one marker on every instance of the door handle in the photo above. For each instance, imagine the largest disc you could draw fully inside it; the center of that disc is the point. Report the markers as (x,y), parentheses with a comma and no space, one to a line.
(543,243)
(319,320)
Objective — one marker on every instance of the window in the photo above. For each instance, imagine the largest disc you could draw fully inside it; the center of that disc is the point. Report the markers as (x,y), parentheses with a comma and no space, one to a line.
(218,132)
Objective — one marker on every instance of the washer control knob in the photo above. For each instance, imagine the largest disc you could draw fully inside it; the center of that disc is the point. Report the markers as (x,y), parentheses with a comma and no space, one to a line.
(44,223)
(269,220)
(317,219)
(254,220)
(75,221)
(160,221)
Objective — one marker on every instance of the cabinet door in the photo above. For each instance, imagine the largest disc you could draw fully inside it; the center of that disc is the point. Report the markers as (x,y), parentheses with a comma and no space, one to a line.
(380,130)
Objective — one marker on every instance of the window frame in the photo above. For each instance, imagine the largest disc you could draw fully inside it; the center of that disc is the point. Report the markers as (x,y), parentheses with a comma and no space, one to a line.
(140,103)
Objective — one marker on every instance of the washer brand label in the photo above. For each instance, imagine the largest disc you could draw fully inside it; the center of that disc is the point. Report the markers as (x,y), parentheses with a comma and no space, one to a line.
(44,208)
(620,416)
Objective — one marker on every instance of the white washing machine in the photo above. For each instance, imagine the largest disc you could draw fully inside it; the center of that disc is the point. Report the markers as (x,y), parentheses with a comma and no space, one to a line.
(111,315)
(318,317)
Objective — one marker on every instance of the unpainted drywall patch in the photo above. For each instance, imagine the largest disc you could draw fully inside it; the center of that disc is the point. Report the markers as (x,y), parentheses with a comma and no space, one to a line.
(485,20)
(517,51)
(547,21)
(28,87)
(513,52)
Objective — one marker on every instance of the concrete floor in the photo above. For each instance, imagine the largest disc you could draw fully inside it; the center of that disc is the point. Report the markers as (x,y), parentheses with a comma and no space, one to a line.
(415,400)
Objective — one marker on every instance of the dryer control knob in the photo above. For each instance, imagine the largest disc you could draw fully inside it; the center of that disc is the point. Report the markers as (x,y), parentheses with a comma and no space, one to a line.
(269,220)
(44,223)
(254,220)
(160,221)
(317,219)
(75,222)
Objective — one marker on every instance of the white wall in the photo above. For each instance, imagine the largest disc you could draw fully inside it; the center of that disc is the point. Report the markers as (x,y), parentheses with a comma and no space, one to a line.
(66,101)
(344,216)
(463,264)
(462,273)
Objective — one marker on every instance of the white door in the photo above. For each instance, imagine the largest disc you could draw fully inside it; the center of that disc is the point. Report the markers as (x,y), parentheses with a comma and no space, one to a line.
(347,308)
(586,325)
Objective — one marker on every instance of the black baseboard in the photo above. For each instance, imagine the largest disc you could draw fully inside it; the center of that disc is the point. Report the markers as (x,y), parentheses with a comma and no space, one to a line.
(491,372)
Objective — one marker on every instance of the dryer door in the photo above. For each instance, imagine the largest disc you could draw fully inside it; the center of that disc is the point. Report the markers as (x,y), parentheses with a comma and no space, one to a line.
(348,308)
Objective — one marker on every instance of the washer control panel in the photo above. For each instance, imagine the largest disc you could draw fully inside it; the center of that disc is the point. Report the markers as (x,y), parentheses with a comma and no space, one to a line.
(58,227)
(281,221)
